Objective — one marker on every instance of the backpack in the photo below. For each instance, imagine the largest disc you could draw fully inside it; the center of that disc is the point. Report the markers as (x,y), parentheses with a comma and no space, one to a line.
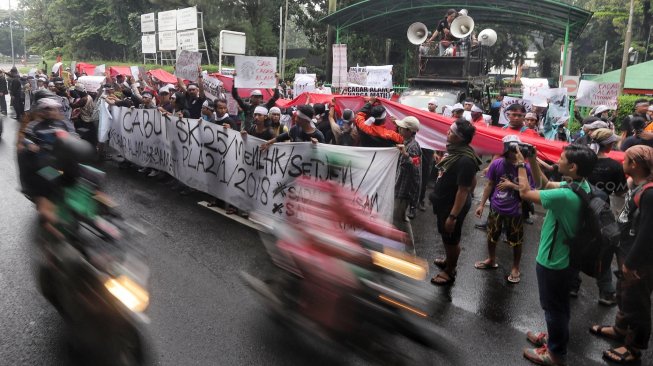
(597,231)
(638,195)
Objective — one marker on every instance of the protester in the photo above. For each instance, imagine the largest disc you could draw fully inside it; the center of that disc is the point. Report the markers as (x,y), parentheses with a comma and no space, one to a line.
(275,121)
(432,105)
(16,93)
(637,124)
(208,109)
(632,326)
(476,114)
(255,99)
(3,92)
(303,131)
(427,163)
(261,127)
(451,197)
(531,124)
(495,108)
(345,133)
(370,123)
(590,124)
(165,102)
(457,111)
(84,123)
(516,114)
(322,122)
(502,189)
(641,109)
(444,31)
(222,115)
(608,176)
(552,263)
(408,170)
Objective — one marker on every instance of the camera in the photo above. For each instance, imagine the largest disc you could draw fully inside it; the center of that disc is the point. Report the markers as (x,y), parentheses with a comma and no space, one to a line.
(527,150)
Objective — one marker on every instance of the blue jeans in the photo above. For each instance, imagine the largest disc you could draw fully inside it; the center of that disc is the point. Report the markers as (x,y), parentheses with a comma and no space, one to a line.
(553,286)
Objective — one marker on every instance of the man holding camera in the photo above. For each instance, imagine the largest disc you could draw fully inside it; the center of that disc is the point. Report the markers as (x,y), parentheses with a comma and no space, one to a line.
(505,205)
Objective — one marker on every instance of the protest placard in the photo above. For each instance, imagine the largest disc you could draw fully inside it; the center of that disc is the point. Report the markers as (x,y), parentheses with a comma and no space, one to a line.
(304,83)
(256,72)
(187,18)
(167,40)
(147,23)
(368,91)
(167,20)
(593,94)
(379,76)
(535,90)
(226,165)
(232,105)
(148,43)
(187,40)
(339,72)
(357,75)
(212,87)
(136,73)
(187,65)
(99,70)
(507,101)
(91,83)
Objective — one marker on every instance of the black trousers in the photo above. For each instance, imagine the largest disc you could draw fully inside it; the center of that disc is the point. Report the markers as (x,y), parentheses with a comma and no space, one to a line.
(3,103)
(427,164)
(634,315)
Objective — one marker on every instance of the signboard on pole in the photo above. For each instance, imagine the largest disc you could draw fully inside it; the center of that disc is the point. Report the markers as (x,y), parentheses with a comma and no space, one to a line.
(167,40)
(571,83)
(339,71)
(149,43)
(187,40)
(187,18)
(187,65)
(593,94)
(147,23)
(256,72)
(167,20)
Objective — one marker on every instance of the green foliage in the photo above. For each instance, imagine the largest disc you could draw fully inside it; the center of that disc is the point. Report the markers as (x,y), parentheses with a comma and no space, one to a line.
(626,106)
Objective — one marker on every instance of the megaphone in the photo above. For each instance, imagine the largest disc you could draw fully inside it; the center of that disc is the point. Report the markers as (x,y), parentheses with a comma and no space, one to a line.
(462,26)
(487,37)
(417,33)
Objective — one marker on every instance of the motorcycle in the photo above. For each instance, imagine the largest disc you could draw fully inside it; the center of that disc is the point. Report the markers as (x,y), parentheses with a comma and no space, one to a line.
(353,290)
(89,266)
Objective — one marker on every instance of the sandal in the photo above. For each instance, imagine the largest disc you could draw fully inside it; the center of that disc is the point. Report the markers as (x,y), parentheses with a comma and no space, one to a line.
(231,211)
(484,265)
(629,355)
(514,279)
(537,339)
(443,279)
(598,330)
(440,263)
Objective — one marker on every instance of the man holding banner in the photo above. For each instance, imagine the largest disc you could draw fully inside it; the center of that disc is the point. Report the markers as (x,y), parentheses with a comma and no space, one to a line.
(255,99)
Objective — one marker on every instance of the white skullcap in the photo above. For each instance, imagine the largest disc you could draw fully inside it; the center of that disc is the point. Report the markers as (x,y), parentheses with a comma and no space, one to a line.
(433,101)
(261,110)
(275,110)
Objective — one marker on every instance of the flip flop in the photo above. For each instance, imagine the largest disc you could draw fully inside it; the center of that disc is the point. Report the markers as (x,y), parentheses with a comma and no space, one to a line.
(598,330)
(443,279)
(483,265)
(514,279)
(628,356)
(440,263)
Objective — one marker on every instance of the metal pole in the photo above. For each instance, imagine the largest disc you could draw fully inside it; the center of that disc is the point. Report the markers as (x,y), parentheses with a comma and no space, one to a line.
(605,54)
(11,35)
(563,67)
(25,37)
(648,41)
(285,43)
(624,58)
(280,36)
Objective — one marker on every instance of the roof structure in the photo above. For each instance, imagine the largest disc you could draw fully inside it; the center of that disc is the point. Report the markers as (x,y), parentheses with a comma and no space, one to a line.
(638,77)
(391,18)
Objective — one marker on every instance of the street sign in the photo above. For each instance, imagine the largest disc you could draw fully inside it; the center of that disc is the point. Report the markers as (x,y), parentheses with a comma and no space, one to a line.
(571,83)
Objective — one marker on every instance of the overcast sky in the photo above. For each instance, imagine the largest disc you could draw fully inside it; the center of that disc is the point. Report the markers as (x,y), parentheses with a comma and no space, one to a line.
(4,4)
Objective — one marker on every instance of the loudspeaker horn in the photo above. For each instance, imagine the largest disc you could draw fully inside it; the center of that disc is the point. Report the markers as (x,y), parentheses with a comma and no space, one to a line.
(462,26)
(417,33)
(487,37)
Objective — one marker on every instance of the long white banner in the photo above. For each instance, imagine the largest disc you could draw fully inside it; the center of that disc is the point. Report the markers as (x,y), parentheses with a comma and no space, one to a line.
(222,163)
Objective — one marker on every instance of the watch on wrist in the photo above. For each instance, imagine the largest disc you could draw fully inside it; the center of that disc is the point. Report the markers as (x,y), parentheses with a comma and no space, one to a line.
(453,217)
(521,165)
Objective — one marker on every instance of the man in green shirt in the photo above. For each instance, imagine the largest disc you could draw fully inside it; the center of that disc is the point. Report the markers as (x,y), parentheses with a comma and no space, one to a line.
(553,273)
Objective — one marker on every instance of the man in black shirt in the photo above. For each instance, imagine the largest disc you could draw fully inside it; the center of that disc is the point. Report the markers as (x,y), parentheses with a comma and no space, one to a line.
(451,197)
(637,125)
(16,92)
(3,92)
(641,107)
(303,131)
(255,99)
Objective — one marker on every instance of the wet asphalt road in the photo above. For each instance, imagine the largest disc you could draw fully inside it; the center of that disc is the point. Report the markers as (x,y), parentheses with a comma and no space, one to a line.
(202,314)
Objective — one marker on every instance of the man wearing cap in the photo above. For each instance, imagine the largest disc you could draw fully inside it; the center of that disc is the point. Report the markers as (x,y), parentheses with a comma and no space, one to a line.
(207,111)
(457,111)
(590,124)
(451,197)
(370,123)
(261,127)
(255,99)
(476,115)
(165,103)
(274,115)
(146,100)
(502,190)
(408,170)
(345,133)
(303,130)
(432,105)
(531,124)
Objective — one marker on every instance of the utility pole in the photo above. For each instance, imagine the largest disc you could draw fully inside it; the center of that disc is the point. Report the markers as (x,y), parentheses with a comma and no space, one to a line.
(285,43)
(624,58)
(330,36)
(11,35)
(280,36)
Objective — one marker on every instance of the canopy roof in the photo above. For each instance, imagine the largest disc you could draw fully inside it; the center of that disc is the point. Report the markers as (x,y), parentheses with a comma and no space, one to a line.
(391,18)
(638,76)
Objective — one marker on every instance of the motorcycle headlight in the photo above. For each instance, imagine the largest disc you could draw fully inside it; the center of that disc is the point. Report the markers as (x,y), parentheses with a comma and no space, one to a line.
(404,267)
(131,294)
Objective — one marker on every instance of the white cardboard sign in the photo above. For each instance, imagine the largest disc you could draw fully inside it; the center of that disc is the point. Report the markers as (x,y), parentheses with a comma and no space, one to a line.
(187,18)
(168,40)
(167,20)
(147,23)
(187,40)
(593,94)
(187,65)
(256,72)
(149,43)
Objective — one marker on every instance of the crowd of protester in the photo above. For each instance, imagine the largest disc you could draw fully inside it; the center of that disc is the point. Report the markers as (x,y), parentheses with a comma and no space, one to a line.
(514,181)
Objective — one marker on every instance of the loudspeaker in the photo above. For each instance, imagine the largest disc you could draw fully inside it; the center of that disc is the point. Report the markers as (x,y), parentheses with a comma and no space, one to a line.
(417,33)
(462,26)
(487,37)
